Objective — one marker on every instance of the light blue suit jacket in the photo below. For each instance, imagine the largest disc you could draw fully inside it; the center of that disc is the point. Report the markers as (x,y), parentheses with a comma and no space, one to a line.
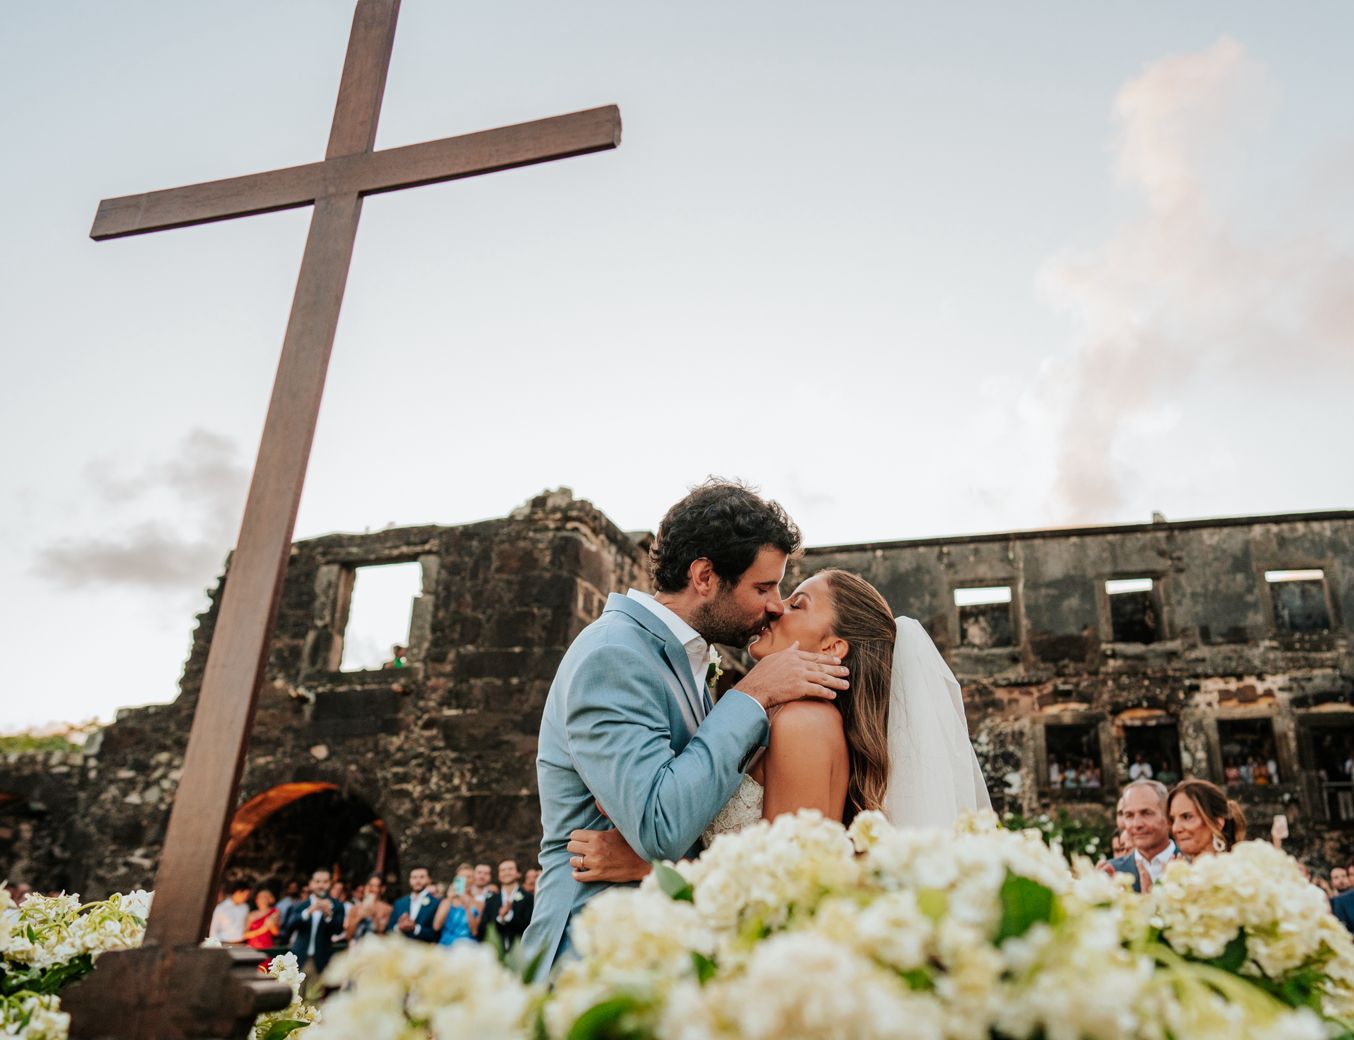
(617,729)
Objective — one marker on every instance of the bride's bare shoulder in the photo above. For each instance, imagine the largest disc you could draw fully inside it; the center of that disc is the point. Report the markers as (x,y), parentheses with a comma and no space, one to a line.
(805,722)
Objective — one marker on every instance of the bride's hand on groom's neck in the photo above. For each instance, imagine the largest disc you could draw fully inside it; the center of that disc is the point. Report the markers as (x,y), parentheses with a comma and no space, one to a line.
(794,674)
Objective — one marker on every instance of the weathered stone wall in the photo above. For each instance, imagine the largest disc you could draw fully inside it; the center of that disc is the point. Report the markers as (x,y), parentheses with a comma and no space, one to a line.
(1220,652)
(442,752)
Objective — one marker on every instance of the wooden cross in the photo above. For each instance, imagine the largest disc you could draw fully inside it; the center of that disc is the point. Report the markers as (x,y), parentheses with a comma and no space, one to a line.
(186,882)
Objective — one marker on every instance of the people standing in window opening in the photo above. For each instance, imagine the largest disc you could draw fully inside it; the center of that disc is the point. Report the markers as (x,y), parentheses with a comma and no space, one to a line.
(1141,769)
(398,657)
(1203,819)
(1055,772)
(1168,774)
(1231,773)
(263,924)
(458,915)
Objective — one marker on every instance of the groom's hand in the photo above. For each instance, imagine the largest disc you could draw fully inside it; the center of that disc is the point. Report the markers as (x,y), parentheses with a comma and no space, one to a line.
(793,674)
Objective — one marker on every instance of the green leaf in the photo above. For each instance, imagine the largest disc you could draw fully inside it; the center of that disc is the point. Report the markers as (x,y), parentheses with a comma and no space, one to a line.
(673,883)
(516,961)
(493,938)
(604,1021)
(283,1028)
(1234,956)
(1024,903)
(706,968)
(918,979)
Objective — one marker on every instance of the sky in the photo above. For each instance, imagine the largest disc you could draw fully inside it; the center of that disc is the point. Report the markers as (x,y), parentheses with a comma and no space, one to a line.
(911,269)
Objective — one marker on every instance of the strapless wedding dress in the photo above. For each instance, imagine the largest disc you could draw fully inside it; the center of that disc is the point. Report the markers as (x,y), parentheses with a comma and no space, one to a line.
(742,810)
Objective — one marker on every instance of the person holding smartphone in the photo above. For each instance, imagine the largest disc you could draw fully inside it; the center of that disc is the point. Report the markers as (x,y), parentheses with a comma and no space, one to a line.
(458,915)
(371,913)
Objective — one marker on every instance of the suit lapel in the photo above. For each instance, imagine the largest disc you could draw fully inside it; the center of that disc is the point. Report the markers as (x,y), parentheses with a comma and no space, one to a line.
(692,706)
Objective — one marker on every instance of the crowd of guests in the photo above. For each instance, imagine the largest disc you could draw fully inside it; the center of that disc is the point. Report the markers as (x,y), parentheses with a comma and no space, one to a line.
(317,919)
(1156,824)
(1251,771)
(1075,773)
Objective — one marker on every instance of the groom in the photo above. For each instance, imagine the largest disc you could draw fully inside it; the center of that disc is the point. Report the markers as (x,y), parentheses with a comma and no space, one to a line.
(629,724)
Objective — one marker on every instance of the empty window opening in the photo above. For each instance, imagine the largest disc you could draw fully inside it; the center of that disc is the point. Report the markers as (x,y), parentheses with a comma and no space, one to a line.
(1073,755)
(985,617)
(1153,751)
(1135,616)
(1299,600)
(377,632)
(1333,760)
(1249,758)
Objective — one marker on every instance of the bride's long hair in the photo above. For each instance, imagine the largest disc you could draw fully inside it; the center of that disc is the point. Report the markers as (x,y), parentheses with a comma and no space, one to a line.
(863,618)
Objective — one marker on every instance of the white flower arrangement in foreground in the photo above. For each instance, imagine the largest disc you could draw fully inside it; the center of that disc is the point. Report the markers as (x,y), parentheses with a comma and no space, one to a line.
(801,928)
(48,942)
(51,941)
(401,990)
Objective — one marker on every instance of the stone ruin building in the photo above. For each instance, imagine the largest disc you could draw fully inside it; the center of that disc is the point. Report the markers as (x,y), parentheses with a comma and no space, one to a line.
(1219,648)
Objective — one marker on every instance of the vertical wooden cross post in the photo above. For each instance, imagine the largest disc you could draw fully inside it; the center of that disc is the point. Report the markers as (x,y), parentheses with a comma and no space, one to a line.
(134,997)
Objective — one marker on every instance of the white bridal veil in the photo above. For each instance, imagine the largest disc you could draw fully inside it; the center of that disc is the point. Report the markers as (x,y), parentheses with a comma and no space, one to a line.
(934,774)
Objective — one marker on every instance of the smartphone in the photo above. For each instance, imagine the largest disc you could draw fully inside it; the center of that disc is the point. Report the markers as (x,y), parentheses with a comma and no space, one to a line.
(1280,828)
(458,886)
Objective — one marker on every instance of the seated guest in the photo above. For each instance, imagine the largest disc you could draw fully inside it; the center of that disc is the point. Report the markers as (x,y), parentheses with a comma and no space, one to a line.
(458,915)
(1203,819)
(311,926)
(264,923)
(509,909)
(413,914)
(228,919)
(1148,829)
(371,913)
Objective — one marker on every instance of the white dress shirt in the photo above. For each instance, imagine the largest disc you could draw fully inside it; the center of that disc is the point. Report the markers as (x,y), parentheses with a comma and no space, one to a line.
(1156,866)
(697,649)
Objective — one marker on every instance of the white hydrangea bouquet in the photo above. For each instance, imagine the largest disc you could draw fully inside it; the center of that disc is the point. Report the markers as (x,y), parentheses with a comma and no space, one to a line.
(50,941)
(803,929)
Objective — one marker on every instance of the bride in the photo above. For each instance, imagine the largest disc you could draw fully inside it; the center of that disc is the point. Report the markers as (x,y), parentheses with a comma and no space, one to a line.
(896,742)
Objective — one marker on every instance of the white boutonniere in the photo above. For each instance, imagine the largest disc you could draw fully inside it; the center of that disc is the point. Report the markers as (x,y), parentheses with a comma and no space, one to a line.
(517,896)
(713,670)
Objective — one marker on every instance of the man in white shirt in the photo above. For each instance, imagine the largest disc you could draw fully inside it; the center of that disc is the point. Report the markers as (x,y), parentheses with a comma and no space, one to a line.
(228,919)
(1140,769)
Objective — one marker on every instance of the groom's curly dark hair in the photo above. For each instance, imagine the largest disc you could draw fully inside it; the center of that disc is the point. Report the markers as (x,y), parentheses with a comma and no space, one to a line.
(722,521)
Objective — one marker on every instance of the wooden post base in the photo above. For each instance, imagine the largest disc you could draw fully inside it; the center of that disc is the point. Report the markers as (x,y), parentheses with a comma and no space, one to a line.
(179,993)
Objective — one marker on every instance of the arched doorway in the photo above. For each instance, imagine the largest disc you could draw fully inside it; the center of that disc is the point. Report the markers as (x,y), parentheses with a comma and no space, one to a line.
(288,831)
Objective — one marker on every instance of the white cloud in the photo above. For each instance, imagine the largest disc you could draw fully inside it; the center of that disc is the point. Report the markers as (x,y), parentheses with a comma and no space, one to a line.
(1214,285)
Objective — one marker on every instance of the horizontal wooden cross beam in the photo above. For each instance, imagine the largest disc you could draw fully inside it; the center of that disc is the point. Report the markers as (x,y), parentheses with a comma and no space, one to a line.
(364,173)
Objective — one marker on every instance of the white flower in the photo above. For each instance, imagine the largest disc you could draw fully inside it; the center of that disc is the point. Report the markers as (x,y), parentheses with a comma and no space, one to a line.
(807,987)
(1204,905)
(29,1016)
(757,878)
(401,990)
